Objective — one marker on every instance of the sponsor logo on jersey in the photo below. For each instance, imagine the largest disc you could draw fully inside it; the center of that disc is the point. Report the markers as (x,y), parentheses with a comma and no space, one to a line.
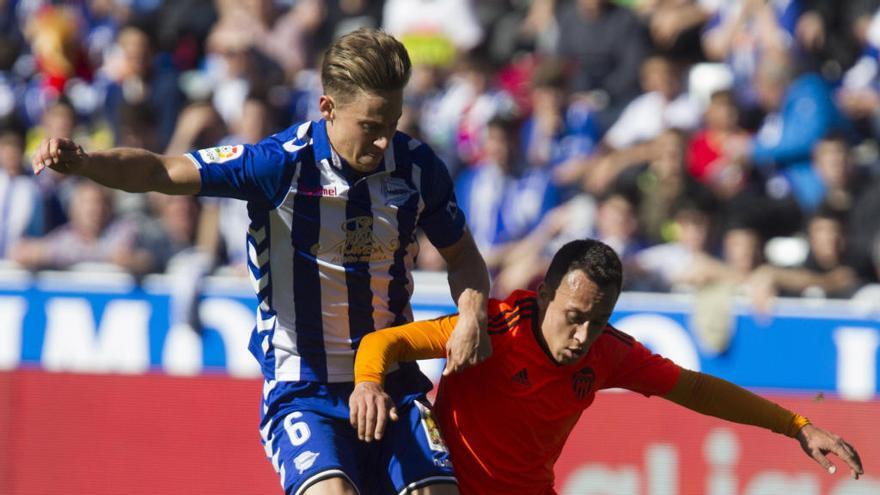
(220,154)
(582,382)
(326,191)
(521,377)
(305,460)
(360,244)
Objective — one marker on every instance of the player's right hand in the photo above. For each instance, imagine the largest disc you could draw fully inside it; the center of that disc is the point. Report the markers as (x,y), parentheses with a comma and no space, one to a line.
(817,443)
(59,154)
(370,407)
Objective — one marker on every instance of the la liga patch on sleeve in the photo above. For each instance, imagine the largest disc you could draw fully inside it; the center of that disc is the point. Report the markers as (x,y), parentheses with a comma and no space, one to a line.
(220,154)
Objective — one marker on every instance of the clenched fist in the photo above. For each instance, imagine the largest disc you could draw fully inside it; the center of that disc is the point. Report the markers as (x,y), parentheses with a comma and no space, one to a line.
(61,155)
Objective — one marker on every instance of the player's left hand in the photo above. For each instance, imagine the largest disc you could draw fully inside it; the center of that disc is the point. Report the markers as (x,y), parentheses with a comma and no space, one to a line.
(369,410)
(817,443)
(468,345)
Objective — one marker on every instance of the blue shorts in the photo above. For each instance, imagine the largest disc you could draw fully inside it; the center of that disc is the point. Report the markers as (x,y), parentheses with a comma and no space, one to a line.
(307,435)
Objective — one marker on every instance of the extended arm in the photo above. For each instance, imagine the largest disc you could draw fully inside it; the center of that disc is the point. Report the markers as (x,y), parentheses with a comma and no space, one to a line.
(469,285)
(369,404)
(713,396)
(128,169)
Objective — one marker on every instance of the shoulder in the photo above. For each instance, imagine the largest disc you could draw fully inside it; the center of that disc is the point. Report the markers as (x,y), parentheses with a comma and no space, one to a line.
(292,140)
(505,314)
(615,342)
(418,153)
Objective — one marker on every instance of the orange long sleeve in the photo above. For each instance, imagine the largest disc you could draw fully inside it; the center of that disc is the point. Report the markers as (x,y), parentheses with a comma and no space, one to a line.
(417,340)
(713,396)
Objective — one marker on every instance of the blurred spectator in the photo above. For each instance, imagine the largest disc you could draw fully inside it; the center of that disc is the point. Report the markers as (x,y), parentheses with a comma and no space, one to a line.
(171,232)
(501,200)
(707,161)
(433,31)
(663,105)
(230,68)
(608,44)
(841,184)
(864,230)
(222,220)
(859,95)
(660,185)
(517,26)
(557,133)
(674,24)
(199,126)
(741,251)
(613,221)
(799,112)
(826,273)
(21,208)
(281,38)
(456,118)
(674,265)
(741,33)
(628,142)
(93,235)
(344,16)
(142,89)
(53,33)
(832,32)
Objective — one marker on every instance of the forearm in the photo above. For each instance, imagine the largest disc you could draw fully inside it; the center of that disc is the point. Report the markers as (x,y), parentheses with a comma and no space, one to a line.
(469,282)
(137,170)
(380,350)
(713,396)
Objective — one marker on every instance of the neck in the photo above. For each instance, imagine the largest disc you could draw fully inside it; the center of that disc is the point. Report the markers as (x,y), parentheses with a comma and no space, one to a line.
(539,335)
(350,161)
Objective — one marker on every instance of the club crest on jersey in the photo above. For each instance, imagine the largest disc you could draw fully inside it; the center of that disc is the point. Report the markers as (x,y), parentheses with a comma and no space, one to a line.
(396,191)
(582,382)
(220,154)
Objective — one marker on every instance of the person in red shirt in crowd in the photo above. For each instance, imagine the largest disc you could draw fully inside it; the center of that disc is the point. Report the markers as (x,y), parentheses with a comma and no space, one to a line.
(506,420)
(706,155)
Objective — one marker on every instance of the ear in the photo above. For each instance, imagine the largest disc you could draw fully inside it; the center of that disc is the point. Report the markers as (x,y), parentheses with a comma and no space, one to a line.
(326,106)
(544,293)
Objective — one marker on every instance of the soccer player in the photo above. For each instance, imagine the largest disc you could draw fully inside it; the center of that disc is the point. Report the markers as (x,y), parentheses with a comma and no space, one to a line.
(334,206)
(506,420)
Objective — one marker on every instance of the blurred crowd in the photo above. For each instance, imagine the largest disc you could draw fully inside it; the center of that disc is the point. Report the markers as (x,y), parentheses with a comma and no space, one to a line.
(720,146)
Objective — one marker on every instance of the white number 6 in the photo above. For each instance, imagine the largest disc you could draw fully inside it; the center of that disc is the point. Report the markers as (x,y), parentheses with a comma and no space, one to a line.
(298,432)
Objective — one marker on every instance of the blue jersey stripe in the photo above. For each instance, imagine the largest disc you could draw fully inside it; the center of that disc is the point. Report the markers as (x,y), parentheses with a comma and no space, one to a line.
(358,251)
(398,290)
(306,279)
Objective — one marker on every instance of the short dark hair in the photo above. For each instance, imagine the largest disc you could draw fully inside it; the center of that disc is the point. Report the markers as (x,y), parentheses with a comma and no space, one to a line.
(595,258)
(367,60)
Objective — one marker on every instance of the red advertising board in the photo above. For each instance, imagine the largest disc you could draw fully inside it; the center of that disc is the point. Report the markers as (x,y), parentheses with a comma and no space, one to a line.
(149,434)
(626,444)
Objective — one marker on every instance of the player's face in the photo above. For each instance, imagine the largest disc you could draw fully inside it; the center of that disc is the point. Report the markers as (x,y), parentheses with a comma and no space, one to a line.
(361,127)
(575,317)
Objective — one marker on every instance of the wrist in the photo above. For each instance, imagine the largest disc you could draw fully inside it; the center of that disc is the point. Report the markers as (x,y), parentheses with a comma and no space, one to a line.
(472,306)
(800,426)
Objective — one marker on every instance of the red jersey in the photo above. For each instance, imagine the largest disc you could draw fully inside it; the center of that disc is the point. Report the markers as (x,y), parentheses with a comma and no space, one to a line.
(506,420)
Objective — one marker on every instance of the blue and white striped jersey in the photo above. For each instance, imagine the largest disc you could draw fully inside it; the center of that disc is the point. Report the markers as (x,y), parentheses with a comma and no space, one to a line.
(329,250)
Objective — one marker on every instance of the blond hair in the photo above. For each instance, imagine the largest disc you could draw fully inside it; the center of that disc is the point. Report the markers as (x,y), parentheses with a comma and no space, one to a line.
(365,60)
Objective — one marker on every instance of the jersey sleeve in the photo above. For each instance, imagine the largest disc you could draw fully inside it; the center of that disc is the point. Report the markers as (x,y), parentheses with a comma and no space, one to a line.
(417,340)
(244,171)
(642,371)
(442,219)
